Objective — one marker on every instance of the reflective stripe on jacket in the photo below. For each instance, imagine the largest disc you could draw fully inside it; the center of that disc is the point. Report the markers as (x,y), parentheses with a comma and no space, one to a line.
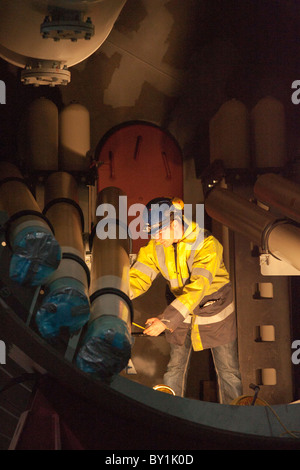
(199,281)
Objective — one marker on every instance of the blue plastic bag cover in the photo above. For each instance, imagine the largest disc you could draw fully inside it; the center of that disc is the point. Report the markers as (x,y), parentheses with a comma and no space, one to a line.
(107,347)
(65,305)
(36,255)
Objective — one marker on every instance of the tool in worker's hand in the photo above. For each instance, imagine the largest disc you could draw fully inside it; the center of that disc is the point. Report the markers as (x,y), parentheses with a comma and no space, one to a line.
(143,328)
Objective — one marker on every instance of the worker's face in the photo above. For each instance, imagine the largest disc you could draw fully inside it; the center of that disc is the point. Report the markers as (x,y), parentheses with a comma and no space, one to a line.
(169,234)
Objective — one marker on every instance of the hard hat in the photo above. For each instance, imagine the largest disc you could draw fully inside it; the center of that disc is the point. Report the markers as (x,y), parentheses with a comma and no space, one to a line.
(160,212)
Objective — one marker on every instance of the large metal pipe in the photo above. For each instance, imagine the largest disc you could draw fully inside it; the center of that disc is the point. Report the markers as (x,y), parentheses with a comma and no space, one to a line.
(279,193)
(274,235)
(74,137)
(40,130)
(106,347)
(268,124)
(36,253)
(66,301)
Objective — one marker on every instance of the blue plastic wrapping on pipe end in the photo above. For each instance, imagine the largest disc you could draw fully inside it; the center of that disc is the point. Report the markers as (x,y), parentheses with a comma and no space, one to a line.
(65,305)
(36,255)
(106,347)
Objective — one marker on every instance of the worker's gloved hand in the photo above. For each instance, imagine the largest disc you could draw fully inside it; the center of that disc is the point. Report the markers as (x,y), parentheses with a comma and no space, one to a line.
(154,327)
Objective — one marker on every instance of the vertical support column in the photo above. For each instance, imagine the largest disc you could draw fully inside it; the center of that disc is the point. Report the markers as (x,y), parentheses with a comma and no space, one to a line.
(66,302)
(106,347)
(263,317)
(39,144)
(36,253)
(263,306)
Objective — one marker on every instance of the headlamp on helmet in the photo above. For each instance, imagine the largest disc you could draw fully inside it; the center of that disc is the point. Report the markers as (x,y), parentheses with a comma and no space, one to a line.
(160,212)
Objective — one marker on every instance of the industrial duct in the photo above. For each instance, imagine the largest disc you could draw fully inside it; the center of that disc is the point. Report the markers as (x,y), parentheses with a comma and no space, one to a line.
(276,236)
(279,193)
(74,137)
(36,253)
(106,347)
(46,38)
(66,302)
(39,136)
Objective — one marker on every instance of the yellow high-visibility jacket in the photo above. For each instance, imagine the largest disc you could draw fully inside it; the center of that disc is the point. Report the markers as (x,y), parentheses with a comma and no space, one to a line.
(199,282)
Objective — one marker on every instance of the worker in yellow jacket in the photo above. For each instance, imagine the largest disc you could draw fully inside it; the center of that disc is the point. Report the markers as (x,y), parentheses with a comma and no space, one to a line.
(200,313)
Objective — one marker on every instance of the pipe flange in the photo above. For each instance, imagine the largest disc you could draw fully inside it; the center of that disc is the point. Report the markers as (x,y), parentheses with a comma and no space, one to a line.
(24,213)
(67,28)
(13,178)
(80,261)
(66,200)
(45,73)
(114,291)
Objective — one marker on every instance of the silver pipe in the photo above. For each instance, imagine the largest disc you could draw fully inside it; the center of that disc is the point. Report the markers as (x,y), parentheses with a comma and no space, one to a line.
(279,193)
(276,236)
